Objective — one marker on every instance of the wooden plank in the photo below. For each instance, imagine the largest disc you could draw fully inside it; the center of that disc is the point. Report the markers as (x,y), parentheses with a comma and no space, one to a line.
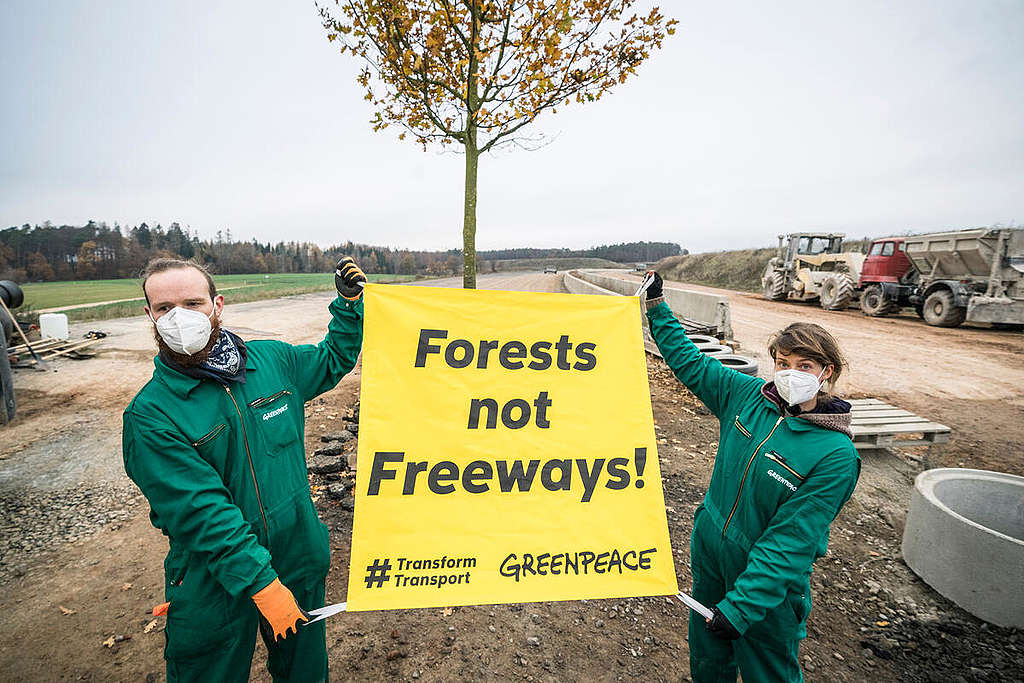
(887,420)
(900,429)
(880,413)
(866,402)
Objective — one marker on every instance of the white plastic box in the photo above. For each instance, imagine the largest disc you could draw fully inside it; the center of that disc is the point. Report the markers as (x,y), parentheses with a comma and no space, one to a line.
(53,325)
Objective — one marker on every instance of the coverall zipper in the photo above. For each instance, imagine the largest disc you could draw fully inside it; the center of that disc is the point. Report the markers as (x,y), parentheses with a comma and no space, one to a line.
(245,440)
(746,469)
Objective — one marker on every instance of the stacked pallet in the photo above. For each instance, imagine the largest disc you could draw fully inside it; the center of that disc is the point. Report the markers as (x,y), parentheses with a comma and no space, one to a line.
(876,424)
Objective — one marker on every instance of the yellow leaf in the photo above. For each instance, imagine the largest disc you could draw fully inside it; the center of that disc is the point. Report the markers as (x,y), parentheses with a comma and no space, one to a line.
(109,642)
(149,627)
(65,611)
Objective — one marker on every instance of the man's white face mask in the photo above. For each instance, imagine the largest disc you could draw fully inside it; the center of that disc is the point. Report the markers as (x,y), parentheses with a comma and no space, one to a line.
(796,387)
(184,330)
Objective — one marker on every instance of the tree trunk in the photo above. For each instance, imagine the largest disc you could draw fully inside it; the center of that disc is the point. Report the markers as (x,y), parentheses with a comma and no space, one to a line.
(472,158)
(469,217)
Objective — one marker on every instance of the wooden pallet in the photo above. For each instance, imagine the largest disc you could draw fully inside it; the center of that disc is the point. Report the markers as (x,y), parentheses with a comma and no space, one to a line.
(876,424)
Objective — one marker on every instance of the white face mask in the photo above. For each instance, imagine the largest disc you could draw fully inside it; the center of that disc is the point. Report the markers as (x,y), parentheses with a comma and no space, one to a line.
(796,387)
(184,330)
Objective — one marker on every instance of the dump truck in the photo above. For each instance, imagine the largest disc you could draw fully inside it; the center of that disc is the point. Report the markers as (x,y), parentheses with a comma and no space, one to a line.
(812,266)
(974,275)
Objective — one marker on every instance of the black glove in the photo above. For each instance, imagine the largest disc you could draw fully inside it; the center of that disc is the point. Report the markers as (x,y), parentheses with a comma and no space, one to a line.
(347,276)
(720,626)
(655,290)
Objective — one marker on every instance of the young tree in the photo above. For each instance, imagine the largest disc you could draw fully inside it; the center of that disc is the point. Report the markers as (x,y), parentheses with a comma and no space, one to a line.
(477,72)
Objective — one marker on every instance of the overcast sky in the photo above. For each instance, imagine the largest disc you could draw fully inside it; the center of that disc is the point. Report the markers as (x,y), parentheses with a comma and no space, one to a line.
(866,117)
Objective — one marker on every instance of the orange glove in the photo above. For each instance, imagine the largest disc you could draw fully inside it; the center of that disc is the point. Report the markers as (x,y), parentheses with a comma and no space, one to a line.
(277,605)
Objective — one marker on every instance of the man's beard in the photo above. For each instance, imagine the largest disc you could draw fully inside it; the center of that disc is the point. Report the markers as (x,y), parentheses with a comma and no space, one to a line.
(199,357)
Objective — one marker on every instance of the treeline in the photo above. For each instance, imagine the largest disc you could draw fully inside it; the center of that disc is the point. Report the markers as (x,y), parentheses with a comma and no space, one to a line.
(626,252)
(98,251)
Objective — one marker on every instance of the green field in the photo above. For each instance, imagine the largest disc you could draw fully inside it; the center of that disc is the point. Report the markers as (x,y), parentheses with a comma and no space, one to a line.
(127,293)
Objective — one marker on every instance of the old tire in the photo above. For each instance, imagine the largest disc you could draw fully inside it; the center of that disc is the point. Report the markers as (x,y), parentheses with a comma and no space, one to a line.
(940,309)
(775,287)
(6,326)
(739,363)
(836,292)
(875,303)
(11,293)
(6,386)
(702,339)
(714,349)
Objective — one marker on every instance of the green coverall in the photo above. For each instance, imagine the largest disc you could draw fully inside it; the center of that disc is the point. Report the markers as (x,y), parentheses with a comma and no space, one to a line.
(224,470)
(778,482)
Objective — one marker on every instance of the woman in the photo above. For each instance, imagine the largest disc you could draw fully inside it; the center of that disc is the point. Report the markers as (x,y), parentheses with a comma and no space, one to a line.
(785,467)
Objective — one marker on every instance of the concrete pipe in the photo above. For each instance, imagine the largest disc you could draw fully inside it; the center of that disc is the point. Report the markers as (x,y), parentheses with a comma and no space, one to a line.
(965,538)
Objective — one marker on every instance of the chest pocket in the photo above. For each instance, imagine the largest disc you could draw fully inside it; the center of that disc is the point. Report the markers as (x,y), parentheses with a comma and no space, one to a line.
(278,423)
(743,431)
(213,444)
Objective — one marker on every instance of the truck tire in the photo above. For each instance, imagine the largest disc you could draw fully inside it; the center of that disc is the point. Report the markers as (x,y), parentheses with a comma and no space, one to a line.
(739,363)
(6,386)
(875,303)
(775,287)
(11,293)
(940,309)
(836,292)
(6,326)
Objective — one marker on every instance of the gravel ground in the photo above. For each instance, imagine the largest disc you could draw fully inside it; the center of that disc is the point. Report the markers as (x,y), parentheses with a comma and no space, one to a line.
(31,524)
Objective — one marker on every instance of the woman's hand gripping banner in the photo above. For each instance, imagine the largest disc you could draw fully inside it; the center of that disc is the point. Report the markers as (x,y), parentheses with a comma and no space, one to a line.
(506,452)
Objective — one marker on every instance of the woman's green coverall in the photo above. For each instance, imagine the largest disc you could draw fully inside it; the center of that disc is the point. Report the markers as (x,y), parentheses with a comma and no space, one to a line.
(778,482)
(224,470)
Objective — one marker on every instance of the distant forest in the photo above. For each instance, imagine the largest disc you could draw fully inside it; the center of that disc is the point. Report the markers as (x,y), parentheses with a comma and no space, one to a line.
(97,251)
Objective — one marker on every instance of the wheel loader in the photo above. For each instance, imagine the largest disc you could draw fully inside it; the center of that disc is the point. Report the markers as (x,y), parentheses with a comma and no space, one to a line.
(812,266)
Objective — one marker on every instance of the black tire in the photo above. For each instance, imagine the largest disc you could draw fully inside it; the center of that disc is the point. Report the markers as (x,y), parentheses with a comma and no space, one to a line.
(775,287)
(940,309)
(739,363)
(714,349)
(836,292)
(702,339)
(6,326)
(11,293)
(6,386)
(875,303)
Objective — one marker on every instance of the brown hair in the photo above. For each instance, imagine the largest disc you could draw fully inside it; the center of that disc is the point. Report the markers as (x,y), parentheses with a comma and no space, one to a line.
(810,341)
(159,265)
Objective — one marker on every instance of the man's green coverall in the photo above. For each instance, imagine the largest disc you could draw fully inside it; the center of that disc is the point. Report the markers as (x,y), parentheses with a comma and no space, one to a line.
(777,484)
(224,470)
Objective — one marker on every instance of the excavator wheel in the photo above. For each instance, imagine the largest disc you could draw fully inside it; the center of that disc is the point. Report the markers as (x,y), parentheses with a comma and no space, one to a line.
(775,287)
(836,292)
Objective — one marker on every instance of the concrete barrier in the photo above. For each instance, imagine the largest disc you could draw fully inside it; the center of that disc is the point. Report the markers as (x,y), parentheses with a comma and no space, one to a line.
(577,285)
(710,309)
(965,538)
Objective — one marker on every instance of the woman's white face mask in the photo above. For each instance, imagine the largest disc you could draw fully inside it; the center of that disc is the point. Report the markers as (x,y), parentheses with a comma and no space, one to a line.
(796,386)
(184,330)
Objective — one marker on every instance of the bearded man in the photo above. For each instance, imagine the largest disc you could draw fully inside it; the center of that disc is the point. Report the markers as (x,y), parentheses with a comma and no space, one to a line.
(215,442)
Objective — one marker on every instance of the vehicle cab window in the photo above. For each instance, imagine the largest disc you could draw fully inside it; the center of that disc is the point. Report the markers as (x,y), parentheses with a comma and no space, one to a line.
(876,249)
(887,249)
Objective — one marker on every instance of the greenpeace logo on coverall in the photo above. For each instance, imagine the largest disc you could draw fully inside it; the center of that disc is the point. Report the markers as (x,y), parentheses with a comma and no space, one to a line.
(775,475)
(275,413)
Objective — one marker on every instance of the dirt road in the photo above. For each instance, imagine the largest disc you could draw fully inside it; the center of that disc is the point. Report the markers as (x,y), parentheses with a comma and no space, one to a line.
(61,605)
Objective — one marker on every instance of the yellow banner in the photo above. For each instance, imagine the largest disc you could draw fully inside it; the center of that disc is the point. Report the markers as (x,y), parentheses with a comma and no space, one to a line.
(506,452)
